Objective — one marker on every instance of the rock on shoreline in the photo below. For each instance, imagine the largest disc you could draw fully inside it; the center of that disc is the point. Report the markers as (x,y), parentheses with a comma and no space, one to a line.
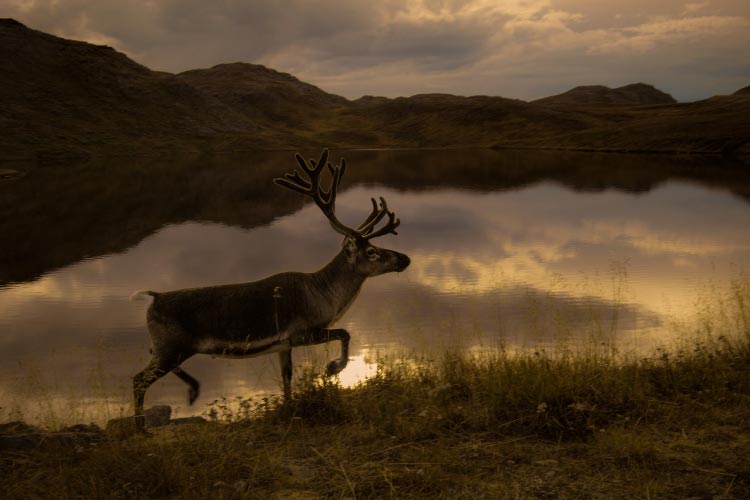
(20,436)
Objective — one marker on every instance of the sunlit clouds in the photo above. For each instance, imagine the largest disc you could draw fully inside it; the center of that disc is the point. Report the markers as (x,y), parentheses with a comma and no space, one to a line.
(520,49)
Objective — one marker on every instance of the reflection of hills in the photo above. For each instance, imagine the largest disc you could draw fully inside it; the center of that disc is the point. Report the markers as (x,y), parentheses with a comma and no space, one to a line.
(488,170)
(64,213)
(60,214)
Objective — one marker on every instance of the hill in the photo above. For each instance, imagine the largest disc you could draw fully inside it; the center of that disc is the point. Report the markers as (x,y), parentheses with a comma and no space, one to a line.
(633,94)
(69,98)
(264,95)
(444,120)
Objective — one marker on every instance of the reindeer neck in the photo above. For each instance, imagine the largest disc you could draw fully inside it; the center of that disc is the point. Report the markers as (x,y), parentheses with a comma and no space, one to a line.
(338,281)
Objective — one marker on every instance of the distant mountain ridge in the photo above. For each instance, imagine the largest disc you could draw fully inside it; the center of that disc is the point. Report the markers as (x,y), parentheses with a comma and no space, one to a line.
(633,94)
(68,98)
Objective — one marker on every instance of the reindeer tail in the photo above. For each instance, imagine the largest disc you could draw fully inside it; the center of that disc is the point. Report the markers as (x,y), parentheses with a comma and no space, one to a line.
(141,294)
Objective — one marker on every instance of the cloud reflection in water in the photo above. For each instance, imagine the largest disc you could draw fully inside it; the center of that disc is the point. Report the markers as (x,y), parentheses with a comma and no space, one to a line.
(530,267)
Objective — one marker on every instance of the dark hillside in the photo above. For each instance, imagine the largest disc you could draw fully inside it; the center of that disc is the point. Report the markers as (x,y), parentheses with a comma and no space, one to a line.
(720,124)
(263,94)
(63,98)
(444,120)
(633,94)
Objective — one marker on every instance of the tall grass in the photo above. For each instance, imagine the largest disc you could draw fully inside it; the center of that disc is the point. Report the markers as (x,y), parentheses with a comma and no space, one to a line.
(562,395)
(505,424)
(565,393)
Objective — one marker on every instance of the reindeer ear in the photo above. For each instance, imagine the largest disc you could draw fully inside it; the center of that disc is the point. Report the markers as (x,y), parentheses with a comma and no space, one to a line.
(350,246)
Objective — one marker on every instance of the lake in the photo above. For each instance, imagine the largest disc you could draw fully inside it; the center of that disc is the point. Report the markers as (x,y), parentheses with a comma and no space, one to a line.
(509,249)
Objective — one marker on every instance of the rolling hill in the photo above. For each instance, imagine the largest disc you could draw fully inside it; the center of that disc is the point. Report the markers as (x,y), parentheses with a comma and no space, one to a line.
(68,98)
(263,95)
(629,95)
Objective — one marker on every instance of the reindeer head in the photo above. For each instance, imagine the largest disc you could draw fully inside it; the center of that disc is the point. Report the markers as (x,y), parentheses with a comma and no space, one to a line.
(366,258)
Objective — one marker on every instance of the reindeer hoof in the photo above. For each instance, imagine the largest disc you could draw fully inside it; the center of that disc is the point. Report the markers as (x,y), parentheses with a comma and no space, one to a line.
(335,367)
(192,396)
(140,427)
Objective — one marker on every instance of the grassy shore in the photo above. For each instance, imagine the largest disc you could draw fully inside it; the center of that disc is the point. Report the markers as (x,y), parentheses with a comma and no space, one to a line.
(568,424)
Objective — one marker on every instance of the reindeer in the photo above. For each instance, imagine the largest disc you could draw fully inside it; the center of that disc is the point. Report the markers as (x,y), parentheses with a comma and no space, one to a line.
(274,314)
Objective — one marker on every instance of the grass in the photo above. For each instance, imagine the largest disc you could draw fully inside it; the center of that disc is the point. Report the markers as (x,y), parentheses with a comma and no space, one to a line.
(529,424)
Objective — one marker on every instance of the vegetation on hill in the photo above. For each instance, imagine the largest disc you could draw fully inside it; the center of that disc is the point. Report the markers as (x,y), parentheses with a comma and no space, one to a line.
(67,98)
(277,100)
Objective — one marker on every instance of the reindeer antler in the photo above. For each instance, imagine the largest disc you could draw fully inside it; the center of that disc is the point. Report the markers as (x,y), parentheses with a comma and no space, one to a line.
(378,212)
(326,199)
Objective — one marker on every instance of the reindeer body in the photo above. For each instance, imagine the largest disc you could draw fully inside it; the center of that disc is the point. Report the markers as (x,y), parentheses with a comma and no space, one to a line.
(249,319)
(273,314)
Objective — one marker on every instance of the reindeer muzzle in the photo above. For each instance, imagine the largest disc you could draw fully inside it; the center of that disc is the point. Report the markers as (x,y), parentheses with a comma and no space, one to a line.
(402,261)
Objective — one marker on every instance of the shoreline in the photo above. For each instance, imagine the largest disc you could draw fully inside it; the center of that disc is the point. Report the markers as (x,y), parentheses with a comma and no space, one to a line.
(118,153)
(500,426)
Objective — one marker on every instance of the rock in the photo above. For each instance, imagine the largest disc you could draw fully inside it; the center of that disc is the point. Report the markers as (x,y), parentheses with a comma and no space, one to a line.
(83,428)
(121,427)
(70,439)
(17,427)
(187,420)
(156,416)
(9,173)
(34,440)
(19,442)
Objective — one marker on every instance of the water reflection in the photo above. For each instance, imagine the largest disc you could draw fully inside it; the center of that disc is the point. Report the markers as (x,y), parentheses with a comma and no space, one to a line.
(533,265)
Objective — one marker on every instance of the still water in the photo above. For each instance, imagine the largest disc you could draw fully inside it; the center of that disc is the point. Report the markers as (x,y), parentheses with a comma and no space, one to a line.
(509,249)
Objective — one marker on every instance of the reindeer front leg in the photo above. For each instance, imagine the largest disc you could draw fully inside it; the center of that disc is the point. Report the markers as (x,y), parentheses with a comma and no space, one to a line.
(285,360)
(336,365)
(329,335)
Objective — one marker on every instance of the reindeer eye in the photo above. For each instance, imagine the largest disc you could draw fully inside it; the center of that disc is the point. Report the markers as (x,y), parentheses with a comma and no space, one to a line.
(371,252)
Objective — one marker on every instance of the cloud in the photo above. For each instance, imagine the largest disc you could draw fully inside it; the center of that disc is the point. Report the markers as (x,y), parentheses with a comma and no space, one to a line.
(690,8)
(693,31)
(518,48)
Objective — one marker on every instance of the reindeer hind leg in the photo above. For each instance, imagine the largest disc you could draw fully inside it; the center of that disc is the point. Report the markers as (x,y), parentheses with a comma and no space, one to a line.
(156,369)
(195,386)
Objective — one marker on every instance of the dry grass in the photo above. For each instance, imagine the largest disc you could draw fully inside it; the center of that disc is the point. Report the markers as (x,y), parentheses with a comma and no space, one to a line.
(500,425)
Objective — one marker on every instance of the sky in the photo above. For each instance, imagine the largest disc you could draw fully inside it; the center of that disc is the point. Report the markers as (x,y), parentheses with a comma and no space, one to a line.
(524,49)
